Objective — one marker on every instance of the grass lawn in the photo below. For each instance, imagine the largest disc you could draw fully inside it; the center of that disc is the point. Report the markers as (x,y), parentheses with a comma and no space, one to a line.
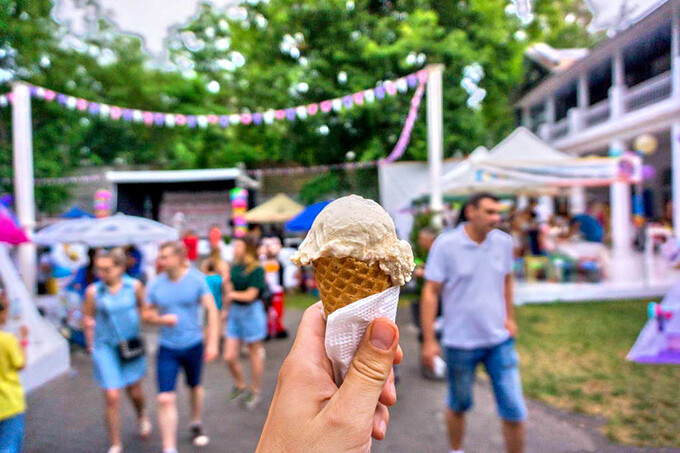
(573,357)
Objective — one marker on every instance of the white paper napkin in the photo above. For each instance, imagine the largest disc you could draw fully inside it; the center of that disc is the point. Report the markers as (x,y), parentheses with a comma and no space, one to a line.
(346,327)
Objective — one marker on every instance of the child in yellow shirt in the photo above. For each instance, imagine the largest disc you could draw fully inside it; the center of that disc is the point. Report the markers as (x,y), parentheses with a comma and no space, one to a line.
(12,402)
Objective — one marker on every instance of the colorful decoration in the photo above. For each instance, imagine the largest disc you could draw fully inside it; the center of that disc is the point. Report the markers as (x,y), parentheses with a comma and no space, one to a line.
(405,136)
(102,203)
(646,144)
(160,119)
(239,206)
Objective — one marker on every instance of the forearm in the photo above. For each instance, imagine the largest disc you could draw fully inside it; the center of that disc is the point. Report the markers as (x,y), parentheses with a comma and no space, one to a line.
(509,299)
(243,296)
(151,316)
(428,313)
(213,325)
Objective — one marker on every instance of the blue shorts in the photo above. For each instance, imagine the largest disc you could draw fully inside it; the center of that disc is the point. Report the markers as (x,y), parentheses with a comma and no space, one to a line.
(170,360)
(247,322)
(500,362)
(12,434)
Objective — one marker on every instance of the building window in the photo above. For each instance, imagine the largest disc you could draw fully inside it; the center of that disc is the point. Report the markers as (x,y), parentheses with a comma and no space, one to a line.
(537,115)
(649,56)
(565,100)
(599,82)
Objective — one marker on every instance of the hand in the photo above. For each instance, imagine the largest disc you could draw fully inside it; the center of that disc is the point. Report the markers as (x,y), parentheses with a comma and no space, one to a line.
(429,351)
(511,326)
(419,272)
(310,413)
(210,353)
(169,320)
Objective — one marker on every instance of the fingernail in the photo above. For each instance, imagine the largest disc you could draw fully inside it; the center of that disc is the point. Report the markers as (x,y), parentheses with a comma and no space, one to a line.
(383,427)
(382,335)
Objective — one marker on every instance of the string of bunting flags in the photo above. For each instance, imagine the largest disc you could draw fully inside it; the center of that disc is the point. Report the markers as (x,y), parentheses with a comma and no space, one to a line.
(160,119)
(418,79)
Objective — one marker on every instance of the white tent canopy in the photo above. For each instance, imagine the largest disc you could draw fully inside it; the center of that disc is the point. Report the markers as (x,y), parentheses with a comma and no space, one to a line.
(110,231)
(523,163)
(48,351)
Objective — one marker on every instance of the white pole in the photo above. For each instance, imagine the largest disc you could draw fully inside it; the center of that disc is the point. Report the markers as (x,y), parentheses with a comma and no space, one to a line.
(577,200)
(435,139)
(675,162)
(620,202)
(22,140)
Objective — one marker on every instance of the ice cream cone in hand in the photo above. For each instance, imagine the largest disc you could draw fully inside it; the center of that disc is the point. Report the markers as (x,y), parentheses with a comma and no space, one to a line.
(355,252)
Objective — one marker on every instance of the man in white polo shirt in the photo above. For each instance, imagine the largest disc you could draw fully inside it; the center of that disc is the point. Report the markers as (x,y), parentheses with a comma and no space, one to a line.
(471,267)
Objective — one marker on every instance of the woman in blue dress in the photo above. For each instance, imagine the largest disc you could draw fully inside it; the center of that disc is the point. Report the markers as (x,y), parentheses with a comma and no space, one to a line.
(111,314)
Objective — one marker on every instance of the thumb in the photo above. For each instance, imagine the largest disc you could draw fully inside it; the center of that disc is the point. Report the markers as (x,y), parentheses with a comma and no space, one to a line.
(369,369)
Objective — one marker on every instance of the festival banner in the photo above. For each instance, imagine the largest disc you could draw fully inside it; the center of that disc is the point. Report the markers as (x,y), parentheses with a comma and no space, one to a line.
(164,119)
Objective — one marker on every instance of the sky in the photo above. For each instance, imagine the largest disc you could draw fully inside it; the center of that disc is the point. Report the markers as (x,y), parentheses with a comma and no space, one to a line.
(152,19)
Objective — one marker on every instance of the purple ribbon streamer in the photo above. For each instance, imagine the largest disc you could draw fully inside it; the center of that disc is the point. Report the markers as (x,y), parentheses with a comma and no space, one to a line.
(405,136)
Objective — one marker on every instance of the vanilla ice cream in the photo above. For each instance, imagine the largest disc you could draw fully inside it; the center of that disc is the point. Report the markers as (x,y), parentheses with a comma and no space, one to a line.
(361,229)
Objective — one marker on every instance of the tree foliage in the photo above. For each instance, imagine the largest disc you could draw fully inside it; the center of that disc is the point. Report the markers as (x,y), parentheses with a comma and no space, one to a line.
(342,46)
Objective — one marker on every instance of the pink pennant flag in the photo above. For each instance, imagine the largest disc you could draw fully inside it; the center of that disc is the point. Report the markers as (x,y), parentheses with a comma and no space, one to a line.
(312,109)
(422,75)
(246,118)
(280,114)
(391,88)
(50,95)
(147,117)
(115,112)
(81,104)
(180,120)
(212,119)
(358,98)
(326,106)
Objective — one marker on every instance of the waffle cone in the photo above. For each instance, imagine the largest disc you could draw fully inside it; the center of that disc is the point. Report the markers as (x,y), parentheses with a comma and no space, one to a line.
(342,281)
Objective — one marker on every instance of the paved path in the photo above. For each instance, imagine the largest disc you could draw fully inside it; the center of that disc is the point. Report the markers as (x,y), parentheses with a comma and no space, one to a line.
(66,414)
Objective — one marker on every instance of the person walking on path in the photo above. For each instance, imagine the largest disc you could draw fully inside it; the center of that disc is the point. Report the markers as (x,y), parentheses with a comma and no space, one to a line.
(175,298)
(217,272)
(12,400)
(471,267)
(247,321)
(111,318)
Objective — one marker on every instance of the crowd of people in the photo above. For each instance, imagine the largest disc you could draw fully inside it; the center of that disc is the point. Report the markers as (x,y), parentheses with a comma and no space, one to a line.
(201,306)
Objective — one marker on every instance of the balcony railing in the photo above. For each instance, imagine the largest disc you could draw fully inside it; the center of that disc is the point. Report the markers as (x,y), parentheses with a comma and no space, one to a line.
(559,129)
(597,113)
(649,92)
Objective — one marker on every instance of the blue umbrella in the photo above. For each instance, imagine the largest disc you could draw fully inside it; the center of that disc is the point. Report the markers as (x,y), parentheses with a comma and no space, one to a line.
(76,212)
(303,221)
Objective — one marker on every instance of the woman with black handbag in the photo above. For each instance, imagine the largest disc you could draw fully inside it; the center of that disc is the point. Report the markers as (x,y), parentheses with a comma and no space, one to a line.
(112,322)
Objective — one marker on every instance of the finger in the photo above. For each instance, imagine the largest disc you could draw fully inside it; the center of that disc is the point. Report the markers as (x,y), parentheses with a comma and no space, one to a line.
(381,419)
(399,357)
(388,396)
(309,342)
(368,371)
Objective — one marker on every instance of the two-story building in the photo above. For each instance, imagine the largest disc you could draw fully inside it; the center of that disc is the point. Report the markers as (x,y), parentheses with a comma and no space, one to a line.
(598,102)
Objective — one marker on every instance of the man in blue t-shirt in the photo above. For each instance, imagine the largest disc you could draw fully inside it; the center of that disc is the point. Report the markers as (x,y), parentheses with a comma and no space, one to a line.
(471,269)
(175,299)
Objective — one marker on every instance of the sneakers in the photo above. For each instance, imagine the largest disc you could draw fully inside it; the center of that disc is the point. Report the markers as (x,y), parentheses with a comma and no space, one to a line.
(198,437)
(236,394)
(115,449)
(251,400)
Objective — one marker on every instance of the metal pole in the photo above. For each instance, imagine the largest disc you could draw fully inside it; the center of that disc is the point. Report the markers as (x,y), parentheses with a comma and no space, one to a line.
(22,140)
(435,139)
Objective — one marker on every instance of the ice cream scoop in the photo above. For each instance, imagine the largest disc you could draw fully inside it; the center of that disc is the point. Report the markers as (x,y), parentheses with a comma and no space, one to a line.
(355,251)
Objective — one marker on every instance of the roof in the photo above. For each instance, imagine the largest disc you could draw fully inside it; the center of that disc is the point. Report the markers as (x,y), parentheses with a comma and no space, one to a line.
(278,209)
(165,176)
(599,54)
(552,59)
(523,146)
